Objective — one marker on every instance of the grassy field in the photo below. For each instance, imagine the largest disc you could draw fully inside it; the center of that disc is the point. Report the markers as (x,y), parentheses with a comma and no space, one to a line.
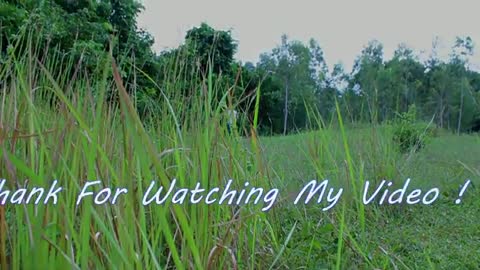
(438,236)
(80,137)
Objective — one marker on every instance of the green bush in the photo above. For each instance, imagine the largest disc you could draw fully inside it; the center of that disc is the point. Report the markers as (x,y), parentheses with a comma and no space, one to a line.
(409,134)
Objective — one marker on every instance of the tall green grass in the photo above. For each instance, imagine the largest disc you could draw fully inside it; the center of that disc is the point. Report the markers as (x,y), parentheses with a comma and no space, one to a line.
(64,125)
(59,122)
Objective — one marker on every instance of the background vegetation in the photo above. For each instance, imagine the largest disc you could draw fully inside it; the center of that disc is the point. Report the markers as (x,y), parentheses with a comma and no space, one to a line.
(294,76)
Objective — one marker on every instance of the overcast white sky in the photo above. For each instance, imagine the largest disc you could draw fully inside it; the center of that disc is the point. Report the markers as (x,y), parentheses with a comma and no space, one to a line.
(342,28)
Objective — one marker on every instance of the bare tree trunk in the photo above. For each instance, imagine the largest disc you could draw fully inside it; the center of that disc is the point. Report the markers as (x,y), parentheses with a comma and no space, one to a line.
(442,109)
(448,120)
(460,112)
(285,110)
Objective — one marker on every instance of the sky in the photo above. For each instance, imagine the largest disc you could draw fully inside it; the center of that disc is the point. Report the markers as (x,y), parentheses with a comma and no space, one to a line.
(341,27)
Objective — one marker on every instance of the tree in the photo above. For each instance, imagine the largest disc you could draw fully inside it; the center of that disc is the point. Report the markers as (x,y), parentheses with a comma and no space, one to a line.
(81,29)
(295,73)
(406,80)
(462,49)
(365,79)
(208,45)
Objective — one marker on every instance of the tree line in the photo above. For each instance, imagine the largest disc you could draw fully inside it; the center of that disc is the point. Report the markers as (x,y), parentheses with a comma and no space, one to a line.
(293,77)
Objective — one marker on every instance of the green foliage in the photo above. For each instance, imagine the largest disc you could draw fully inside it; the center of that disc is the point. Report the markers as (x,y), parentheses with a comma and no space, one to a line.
(295,80)
(81,30)
(293,76)
(408,134)
(210,47)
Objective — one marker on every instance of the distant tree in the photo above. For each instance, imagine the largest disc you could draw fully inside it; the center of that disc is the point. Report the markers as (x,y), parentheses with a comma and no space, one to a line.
(79,29)
(365,79)
(464,100)
(331,90)
(295,74)
(405,81)
(208,45)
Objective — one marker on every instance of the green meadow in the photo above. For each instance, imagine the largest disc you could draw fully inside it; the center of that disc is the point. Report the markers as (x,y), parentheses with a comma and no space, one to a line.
(438,236)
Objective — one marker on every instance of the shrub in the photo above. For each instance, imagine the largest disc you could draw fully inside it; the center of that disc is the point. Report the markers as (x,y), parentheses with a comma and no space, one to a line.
(409,134)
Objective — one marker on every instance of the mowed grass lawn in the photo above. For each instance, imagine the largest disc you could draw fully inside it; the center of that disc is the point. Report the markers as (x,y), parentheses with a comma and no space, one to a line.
(441,236)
